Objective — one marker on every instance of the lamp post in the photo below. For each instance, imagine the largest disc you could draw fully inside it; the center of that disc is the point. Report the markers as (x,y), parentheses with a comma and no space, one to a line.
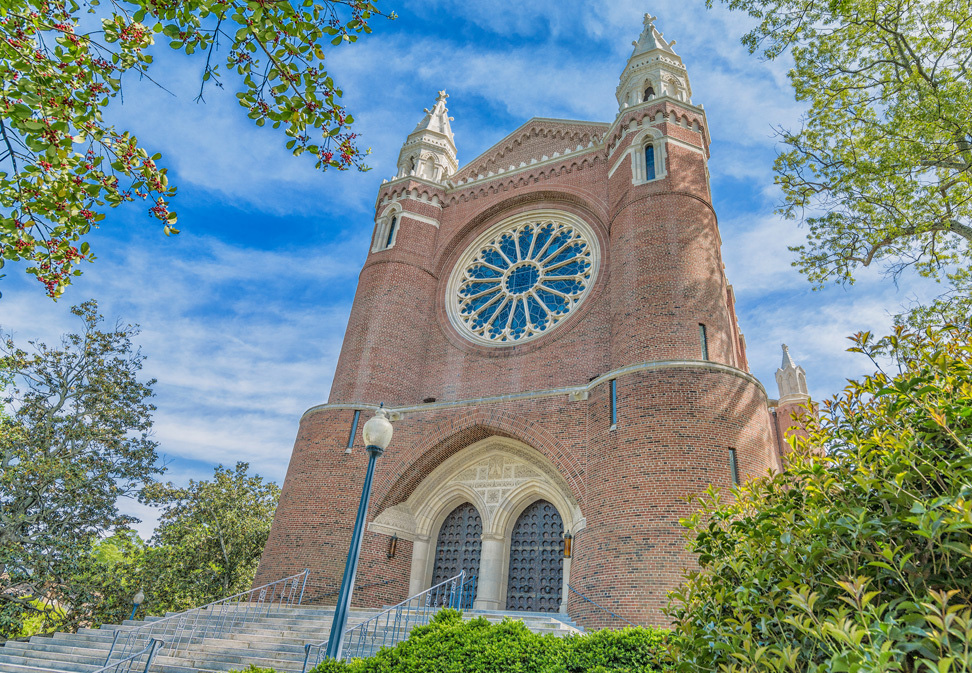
(377,434)
(137,600)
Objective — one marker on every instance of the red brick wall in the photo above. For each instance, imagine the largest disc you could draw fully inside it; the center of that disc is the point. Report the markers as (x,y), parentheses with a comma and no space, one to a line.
(630,483)
(675,429)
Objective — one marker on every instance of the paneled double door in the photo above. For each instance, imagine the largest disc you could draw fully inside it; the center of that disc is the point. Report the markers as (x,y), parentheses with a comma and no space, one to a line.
(536,554)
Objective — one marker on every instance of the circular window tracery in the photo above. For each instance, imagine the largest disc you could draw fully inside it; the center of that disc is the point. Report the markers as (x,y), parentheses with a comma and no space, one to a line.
(522,277)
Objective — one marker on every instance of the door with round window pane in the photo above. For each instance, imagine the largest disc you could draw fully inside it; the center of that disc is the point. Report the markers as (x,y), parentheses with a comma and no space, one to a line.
(536,574)
(459,545)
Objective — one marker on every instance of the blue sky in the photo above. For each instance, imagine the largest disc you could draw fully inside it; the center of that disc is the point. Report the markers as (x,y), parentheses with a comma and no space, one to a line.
(243,313)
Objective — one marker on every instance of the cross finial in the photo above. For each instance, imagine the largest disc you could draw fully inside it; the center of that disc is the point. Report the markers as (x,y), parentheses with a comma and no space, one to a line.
(442,96)
(649,19)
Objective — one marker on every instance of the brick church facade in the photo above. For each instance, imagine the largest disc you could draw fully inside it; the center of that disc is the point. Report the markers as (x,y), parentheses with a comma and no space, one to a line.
(552,332)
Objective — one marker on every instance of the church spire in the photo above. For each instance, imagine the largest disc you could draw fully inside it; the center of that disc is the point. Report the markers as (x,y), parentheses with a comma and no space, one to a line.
(653,70)
(791,380)
(429,151)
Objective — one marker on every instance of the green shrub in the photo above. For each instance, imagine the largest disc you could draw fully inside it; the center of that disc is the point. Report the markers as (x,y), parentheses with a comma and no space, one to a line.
(858,557)
(451,645)
(630,649)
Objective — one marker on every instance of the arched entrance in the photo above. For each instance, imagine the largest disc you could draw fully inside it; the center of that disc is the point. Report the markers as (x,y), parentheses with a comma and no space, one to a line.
(536,560)
(459,544)
(498,478)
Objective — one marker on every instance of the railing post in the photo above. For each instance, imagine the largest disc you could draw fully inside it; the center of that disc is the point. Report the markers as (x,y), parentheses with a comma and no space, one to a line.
(303,585)
(153,645)
(454,590)
(112,649)
(307,649)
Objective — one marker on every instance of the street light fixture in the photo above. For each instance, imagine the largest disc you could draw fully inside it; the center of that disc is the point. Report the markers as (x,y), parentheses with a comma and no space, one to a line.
(377,434)
(137,600)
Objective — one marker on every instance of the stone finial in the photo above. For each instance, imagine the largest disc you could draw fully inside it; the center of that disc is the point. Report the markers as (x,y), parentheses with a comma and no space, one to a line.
(437,119)
(791,380)
(650,38)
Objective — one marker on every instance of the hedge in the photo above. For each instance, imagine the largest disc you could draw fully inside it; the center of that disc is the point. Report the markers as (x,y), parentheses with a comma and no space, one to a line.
(450,644)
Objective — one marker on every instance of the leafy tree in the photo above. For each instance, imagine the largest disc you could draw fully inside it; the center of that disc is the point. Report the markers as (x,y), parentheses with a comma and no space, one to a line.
(116,573)
(76,439)
(881,171)
(209,538)
(951,308)
(61,164)
(858,557)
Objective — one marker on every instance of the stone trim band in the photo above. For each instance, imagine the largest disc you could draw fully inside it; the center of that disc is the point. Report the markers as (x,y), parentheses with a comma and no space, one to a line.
(575,392)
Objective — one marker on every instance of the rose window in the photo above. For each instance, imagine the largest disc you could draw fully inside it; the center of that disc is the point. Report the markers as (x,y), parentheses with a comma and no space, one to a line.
(522,278)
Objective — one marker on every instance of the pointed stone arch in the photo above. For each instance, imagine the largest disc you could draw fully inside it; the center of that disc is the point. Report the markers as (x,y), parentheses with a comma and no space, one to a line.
(500,476)
(448,439)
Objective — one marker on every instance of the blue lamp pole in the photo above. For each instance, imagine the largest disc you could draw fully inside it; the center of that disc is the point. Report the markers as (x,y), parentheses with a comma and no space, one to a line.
(377,434)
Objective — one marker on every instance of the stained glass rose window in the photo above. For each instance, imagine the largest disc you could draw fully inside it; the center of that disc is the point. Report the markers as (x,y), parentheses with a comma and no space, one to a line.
(522,278)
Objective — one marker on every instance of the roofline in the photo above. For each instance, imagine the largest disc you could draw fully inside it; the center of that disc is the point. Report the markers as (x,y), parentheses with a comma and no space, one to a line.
(606,125)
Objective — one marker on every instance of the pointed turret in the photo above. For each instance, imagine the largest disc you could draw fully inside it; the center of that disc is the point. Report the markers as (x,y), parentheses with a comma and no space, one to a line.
(653,70)
(651,39)
(791,380)
(429,151)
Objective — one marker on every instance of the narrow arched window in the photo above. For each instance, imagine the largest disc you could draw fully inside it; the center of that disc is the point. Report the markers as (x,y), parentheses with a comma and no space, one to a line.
(649,93)
(649,162)
(391,231)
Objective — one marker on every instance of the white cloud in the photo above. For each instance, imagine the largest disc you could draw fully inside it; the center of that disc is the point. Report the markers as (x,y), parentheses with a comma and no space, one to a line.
(238,354)
(756,255)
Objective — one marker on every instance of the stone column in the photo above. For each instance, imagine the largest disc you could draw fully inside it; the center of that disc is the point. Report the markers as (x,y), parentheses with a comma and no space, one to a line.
(420,560)
(490,582)
(565,592)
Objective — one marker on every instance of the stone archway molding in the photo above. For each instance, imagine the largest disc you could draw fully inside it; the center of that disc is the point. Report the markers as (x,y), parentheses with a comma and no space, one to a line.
(500,477)
(495,474)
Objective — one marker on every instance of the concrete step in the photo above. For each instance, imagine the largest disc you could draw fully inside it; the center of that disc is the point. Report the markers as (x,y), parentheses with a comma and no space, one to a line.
(93,640)
(40,661)
(225,662)
(263,647)
(25,668)
(79,657)
(56,646)
(274,640)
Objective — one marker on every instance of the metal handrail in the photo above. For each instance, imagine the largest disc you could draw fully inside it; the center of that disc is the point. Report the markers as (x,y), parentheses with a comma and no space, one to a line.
(151,648)
(600,607)
(214,619)
(392,625)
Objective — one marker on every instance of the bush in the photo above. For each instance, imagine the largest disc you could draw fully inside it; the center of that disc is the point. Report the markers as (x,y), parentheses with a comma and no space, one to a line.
(451,645)
(858,557)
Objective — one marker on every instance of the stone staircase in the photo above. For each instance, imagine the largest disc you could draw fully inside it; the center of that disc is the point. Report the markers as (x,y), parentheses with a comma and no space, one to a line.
(273,640)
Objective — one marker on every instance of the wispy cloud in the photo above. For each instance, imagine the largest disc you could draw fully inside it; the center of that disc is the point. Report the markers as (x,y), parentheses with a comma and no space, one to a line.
(241,340)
